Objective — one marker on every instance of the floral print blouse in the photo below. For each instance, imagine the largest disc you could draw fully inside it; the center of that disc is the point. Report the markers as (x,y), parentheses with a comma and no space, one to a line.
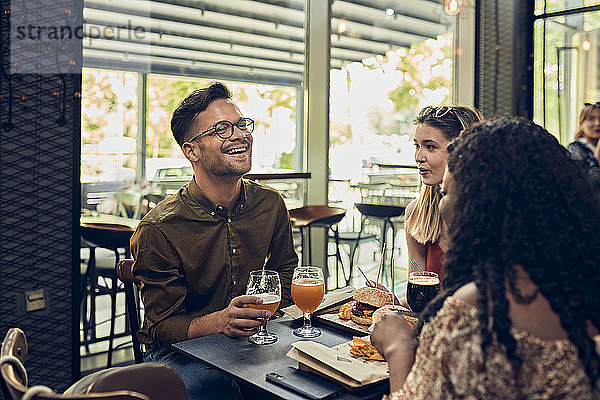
(449,363)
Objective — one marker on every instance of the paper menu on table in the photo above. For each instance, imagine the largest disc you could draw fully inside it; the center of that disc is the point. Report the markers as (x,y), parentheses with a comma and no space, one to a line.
(336,365)
(331,299)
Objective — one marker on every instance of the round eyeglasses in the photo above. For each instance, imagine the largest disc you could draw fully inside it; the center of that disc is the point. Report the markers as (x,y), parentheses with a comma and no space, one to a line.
(224,129)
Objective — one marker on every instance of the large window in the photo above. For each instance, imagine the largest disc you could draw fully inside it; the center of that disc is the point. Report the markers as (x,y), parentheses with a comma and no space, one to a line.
(388,60)
(550,6)
(374,103)
(272,107)
(374,99)
(566,64)
(109,126)
(144,56)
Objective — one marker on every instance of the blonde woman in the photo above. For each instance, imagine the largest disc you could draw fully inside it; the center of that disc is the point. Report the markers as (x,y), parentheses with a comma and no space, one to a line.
(426,234)
(585,148)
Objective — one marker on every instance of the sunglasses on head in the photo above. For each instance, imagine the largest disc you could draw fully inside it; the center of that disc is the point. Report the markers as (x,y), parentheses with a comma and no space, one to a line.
(596,104)
(436,111)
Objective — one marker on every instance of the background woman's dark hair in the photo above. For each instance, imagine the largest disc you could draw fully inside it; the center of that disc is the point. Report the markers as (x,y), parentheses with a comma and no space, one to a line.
(196,102)
(523,201)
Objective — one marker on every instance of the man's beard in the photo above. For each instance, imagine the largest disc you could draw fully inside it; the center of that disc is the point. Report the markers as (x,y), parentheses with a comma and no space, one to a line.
(219,165)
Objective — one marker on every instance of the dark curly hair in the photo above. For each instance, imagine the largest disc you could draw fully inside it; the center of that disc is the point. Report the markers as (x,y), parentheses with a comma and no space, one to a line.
(521,200)
(196,102)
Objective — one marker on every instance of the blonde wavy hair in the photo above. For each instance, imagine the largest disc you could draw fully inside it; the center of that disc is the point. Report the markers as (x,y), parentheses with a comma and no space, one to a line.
(424,224)
(585,113)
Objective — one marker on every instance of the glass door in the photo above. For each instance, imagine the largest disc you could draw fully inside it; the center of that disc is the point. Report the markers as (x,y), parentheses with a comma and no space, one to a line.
(566,73)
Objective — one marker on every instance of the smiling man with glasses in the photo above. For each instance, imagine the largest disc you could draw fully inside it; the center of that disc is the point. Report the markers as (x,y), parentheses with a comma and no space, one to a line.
(194,251)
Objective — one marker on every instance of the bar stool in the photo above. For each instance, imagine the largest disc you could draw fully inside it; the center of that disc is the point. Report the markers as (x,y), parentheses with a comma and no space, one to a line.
(112,237)
(353,240)
(319,217)
(381,212)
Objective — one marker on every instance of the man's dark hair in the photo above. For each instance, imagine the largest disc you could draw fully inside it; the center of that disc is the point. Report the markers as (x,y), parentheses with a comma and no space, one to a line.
(521,200)
(184,115)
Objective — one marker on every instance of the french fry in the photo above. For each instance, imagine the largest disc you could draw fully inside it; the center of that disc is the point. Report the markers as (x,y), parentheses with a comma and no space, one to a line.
(363,348)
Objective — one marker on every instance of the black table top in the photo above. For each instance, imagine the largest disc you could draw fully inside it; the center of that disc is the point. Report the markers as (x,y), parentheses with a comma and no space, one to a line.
(250,363)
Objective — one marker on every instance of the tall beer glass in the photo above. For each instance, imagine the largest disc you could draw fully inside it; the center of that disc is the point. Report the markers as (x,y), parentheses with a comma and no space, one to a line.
(422,287)
(308,289)
(266,285)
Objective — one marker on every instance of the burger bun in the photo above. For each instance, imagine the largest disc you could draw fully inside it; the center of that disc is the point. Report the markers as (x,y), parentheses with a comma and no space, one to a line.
(372,296)
(380,312)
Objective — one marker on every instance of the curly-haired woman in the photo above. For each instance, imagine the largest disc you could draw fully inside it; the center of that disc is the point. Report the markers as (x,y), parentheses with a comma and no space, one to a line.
(426,235)
(585,147)
(520,311)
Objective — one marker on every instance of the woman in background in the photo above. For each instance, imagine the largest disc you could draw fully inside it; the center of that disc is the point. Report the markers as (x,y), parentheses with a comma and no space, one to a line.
(520,310)
(426,235)
(585,147)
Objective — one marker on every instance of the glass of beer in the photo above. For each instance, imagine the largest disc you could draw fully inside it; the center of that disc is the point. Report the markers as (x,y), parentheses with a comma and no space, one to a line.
(266,285)
(422,287)
(308,289)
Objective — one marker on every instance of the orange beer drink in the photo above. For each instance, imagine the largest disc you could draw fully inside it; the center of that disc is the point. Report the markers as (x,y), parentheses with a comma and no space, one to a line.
(308,289)
(266,285)
(308,293)
(270,302)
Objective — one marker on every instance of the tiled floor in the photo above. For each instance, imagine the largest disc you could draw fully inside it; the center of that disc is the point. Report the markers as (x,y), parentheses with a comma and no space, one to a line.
(368,257)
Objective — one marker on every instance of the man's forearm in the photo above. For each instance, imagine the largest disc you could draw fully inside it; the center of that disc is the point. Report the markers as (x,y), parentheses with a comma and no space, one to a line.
(205,325)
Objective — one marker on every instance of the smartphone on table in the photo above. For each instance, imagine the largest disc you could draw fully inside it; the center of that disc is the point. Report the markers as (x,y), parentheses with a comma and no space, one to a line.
(309,385)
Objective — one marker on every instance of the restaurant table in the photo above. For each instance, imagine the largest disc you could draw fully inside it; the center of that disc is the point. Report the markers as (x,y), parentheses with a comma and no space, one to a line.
(109,219)
(250,362)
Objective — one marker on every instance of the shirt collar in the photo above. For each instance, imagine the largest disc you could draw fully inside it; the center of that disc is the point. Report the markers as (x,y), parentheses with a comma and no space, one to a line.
(203,201)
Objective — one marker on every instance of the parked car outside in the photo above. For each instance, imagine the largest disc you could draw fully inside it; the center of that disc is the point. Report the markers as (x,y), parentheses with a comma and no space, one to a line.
(170,179)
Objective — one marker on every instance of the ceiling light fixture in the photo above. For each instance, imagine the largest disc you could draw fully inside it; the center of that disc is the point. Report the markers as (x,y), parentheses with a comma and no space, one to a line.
(586,45)
(453,7)
(390,12)
(342,26)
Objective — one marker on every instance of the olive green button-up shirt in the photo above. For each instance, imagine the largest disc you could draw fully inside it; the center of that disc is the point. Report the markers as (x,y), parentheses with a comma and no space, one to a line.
(192,256)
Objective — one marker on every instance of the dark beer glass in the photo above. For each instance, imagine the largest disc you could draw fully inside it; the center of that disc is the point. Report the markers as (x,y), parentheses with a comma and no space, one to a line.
(422,287)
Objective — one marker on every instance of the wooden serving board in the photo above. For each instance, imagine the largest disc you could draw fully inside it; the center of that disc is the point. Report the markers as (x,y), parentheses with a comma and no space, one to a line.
(348,326)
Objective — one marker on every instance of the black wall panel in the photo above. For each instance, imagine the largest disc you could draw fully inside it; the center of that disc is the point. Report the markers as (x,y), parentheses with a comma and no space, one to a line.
(505,58)
(39,193)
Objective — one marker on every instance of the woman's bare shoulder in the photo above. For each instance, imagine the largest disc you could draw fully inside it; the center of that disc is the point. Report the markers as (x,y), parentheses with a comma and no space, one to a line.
(467,293)
(410,207)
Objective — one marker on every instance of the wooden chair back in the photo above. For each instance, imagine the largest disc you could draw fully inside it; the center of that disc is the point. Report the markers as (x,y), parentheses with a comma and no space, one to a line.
(124,271)
(14,375)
